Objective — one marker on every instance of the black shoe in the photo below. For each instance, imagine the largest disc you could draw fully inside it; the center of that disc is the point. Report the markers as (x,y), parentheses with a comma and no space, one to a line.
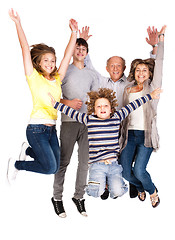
(133,192)
(105,195)
(80,206)
(59,209)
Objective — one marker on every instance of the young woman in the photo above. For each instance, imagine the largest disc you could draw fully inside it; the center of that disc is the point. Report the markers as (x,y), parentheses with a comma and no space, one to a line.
(139,132)
(43,77)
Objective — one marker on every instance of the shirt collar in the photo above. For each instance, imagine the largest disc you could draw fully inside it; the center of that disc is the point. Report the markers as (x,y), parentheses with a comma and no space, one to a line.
(122,79)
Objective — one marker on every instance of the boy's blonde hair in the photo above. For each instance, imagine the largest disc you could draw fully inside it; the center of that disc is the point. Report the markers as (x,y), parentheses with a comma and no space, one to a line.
(101,93)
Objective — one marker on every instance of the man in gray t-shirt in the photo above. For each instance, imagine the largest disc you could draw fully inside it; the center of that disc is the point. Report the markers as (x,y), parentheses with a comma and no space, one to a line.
(78,81)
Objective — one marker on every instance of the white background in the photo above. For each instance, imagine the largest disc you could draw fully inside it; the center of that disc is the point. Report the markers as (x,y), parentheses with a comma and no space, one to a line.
(118,28)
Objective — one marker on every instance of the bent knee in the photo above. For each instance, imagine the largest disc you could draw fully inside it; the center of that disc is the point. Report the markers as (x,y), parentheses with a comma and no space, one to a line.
(51,169)
(139,174)
(126,175)
(118,192)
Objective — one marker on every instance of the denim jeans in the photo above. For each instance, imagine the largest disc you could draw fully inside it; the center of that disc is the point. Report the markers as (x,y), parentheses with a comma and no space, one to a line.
(136,152)
(44,149)
(99,172)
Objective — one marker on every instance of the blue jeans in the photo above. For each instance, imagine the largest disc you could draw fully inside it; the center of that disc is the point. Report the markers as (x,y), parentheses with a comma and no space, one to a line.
(99,172)
(44,150)
(136,152)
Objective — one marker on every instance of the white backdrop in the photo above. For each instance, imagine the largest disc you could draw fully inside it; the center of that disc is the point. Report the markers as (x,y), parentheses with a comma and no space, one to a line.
(118,28)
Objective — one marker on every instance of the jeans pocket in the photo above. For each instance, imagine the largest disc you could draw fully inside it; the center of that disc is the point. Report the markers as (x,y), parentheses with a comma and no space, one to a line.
(93,189)
(37,128)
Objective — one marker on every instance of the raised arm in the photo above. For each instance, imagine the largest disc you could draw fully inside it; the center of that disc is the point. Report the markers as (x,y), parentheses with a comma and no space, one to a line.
(69,49)
(132,106)
(28,66)
(158,68)
(74,103)
(70,112)
(152,39)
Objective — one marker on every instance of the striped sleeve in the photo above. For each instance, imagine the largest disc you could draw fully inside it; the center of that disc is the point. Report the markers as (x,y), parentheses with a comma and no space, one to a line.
(125,111)
(72,113)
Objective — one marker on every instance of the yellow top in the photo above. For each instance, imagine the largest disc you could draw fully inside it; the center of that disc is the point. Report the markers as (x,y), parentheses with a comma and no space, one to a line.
(40,87)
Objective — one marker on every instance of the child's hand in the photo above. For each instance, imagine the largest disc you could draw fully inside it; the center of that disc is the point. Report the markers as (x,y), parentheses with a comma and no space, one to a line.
(53,101)
(73,25)
(156,93)
(13,16)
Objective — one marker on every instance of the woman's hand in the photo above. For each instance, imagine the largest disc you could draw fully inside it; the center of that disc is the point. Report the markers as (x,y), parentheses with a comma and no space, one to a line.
(13,16)
(161,33)
(156,93)
(73,25)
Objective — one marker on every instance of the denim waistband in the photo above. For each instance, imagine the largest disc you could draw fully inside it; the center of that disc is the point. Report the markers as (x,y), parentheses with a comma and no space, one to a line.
(40,126)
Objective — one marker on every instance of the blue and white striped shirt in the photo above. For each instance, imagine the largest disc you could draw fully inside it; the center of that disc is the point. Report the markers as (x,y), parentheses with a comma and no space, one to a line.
(103,134)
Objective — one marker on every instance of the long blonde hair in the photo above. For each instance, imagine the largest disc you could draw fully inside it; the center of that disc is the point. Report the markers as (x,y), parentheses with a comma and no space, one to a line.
(37,51)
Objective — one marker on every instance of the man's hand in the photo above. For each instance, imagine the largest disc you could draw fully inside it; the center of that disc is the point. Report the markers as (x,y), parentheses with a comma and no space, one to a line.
(84,33)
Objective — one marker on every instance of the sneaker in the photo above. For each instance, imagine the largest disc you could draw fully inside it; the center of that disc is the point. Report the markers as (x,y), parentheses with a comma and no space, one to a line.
(11,170)
(105,195)
(59,208)
(80,206)
(22,155)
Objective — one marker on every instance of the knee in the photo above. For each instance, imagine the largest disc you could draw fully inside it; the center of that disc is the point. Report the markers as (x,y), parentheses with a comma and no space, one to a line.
(118,191)
(51,169)
(126,175)
(138,173)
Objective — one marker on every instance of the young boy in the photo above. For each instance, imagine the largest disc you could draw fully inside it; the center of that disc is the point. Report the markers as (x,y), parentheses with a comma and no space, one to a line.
(78,81)
(103,124)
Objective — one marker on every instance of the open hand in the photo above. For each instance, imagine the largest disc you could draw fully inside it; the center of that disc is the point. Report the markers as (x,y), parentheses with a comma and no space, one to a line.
(162,31)
(84,33)
(73,25)
(13,16)
(156,93)
(152,36)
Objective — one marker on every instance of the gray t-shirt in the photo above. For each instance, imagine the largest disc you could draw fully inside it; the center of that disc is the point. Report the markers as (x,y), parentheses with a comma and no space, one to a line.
(76,84)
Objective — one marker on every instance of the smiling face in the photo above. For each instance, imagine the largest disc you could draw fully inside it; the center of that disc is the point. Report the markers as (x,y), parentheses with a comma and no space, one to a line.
(80,53)
(102,108)
(141,73)
(48,62)
(115,67)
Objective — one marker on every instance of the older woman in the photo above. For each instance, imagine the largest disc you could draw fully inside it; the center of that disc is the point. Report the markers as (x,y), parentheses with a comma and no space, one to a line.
(139,132)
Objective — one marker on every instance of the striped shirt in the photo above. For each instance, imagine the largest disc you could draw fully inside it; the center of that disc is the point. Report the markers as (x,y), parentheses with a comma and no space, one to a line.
(103,134)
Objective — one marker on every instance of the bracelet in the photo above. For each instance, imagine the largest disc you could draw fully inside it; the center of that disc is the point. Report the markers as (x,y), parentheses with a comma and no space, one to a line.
(161,34)
(74,31)
(155,45)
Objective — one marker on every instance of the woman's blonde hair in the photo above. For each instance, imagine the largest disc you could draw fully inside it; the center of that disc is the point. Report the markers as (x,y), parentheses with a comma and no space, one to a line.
(37,51)
(148,62)
(101,93)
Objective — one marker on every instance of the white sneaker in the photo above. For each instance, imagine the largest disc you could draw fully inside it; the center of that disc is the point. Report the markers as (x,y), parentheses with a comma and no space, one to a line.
(11,170)
(22,155)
